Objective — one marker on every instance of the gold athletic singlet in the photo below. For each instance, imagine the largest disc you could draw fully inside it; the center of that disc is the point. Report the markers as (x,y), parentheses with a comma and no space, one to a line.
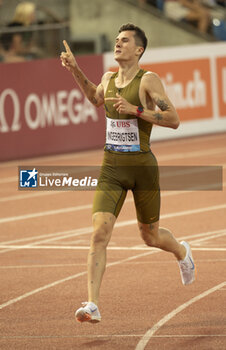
(120,132)
(128,162)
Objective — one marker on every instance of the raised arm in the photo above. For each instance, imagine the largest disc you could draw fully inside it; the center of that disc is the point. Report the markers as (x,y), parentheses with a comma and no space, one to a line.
(94,93)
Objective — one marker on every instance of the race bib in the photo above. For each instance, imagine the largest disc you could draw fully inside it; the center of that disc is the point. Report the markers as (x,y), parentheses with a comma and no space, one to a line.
(122,135)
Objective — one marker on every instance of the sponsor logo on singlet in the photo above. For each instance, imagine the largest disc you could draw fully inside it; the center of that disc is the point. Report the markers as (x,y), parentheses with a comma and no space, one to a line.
(122,135)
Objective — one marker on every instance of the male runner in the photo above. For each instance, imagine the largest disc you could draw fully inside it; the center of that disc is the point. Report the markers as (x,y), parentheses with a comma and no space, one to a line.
(130,97)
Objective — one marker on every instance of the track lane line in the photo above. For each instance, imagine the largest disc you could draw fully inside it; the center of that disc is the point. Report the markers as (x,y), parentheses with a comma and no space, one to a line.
(196,241)
(143,247)
(82,231)
(180,155)
(150,262)
(211,237)
(76,232)
(45,213)
(69,210)
(49,193)
(158,144)
(69,278)
(52,247)
(30,195)
(148,335)
(111,336)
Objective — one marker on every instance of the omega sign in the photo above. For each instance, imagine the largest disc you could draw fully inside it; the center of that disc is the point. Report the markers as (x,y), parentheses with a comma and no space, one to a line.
(60,108)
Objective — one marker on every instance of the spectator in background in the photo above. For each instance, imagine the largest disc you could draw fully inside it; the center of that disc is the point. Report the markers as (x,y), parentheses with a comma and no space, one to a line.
(24,13)
(25,16)
(12,46)
(191,11)
(18,44)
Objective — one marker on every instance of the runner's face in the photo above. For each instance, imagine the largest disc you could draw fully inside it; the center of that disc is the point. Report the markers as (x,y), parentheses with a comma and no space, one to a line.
(125,46)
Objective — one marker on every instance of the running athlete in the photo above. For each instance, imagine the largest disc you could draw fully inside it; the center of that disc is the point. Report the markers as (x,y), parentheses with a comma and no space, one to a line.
(130,97)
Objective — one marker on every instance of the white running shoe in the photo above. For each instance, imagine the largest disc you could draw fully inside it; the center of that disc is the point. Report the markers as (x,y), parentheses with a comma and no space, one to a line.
(187,266)
(88,313)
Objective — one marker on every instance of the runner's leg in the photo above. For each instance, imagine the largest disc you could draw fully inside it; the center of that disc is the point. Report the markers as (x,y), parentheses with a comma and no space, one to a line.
(159,237)
(103,224)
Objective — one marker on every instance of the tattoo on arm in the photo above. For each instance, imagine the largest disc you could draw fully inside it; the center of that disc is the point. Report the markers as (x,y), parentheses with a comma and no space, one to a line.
(88,88)
(158,117)
(93,100)
(162,105)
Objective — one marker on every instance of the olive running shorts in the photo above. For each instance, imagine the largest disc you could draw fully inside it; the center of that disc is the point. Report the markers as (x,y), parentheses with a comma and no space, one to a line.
(121,172)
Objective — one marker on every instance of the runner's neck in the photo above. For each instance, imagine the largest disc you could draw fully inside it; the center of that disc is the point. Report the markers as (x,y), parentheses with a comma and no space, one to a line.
(126,75)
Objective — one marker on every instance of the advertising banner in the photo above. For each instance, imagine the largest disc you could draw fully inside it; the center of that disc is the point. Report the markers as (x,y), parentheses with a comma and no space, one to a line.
(221,77)
(188,85)
(42,110)
(194,78)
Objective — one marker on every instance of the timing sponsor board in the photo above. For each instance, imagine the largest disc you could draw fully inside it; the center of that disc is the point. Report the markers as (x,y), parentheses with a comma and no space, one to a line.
(42,110)
(194,78)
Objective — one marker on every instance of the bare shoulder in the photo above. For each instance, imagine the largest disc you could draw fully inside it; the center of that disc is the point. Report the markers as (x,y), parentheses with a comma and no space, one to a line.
(107,76)
(151,82)
(150,77)
(105,79)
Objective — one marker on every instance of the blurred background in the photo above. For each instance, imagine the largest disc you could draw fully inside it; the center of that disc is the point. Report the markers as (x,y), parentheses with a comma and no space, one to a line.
(42,110)
(35,29)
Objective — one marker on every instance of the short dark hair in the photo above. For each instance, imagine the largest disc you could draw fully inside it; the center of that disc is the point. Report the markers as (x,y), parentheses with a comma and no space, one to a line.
(140,37)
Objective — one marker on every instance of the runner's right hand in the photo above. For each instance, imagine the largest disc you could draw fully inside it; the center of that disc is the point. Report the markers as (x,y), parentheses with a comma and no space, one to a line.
(68,59)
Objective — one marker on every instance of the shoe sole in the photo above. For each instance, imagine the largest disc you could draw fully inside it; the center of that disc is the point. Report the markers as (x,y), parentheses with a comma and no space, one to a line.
(86,317)
(191,258)
(195,270)
(190,282)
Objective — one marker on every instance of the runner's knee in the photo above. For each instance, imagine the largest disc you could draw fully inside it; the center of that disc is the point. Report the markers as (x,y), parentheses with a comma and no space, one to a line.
(103,225)
(149,233)
(100,236)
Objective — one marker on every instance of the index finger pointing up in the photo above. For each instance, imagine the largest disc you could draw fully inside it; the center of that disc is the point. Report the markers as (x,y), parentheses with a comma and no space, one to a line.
(66,46)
